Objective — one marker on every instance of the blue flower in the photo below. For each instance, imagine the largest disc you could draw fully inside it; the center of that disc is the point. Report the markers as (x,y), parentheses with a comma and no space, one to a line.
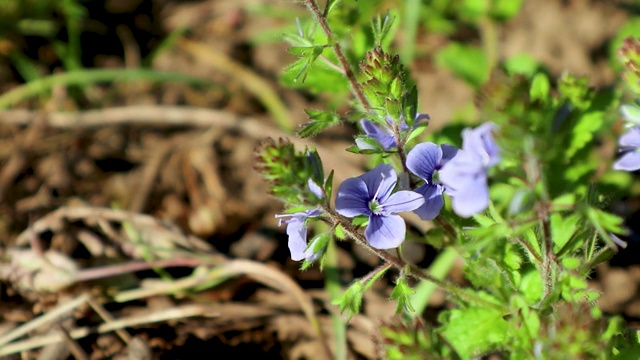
(630,145)
(297,232)
(425,160)
(465,176)
(371,195)
(384,135)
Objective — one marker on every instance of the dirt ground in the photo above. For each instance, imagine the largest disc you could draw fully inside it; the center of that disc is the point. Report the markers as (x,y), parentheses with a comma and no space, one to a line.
(139,165)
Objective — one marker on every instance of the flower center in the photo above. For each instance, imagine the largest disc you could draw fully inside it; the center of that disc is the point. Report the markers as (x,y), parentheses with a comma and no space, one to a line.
(375,207)
(435,177)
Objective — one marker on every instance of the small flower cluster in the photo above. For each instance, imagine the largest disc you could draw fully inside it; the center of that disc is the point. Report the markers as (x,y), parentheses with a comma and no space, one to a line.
(443,169)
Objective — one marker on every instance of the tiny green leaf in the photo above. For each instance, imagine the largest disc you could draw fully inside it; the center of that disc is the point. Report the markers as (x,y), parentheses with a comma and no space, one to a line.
(402,293)
(351,300)
(539,88)
(320,120)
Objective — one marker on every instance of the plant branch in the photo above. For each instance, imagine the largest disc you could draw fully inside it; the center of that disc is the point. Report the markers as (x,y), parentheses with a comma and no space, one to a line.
(410,269)
(348,71)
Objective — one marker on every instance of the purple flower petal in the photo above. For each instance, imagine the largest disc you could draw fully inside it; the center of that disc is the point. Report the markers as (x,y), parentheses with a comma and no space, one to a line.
(380,181)
(460,170)
(383,136)
(479,141)
(402,201)
(315,189)
(433,201)
(297,232)
(472,199)
(353,198)
(448,153)
(630,139)
(424,159)
(385,232)
(421,117)
(629,161)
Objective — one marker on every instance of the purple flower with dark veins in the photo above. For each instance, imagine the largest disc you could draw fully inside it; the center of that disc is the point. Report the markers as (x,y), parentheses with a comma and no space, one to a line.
(426,160)
(371,195)
(465,176)
(297,232)
(630,145)
(384,135)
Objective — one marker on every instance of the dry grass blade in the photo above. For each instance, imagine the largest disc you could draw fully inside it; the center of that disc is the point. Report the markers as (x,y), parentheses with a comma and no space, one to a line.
(280,281)
(344,164)
(52,315)
(180,312)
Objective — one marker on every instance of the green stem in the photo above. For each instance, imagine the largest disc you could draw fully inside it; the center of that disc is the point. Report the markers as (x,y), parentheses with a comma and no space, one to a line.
(348,71)
(332,284)
(410,21)
(438,269)
(411,269)
(489,35)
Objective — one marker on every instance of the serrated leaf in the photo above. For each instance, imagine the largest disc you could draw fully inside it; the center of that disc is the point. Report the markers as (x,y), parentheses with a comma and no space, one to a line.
(562,229)
(381,27)
(320,120)
(351,300)
(401,294)
(474,331)
(583,132)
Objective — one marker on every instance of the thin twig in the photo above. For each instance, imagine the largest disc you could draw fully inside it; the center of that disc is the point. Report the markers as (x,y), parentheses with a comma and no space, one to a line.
(50,316)
(348,71)
(411,269)
(180,312)
(107,318)
(73,346)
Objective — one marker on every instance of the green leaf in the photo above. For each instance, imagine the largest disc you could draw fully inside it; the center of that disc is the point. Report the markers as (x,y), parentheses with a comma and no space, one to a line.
(539,88)
(474,331)
(381,27)
(531,286)
(375,278)
(402,293)
(466,61)
(351,300)
(504,10)
(474,10)
(562,229)
(328,185)
(587,125)
(318,245)
(417,131)
(522,63)
(320,120)
(317,78)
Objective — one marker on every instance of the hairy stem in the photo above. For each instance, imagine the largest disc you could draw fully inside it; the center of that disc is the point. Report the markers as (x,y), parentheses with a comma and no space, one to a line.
(348,71)
(410,269)
(534,177)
